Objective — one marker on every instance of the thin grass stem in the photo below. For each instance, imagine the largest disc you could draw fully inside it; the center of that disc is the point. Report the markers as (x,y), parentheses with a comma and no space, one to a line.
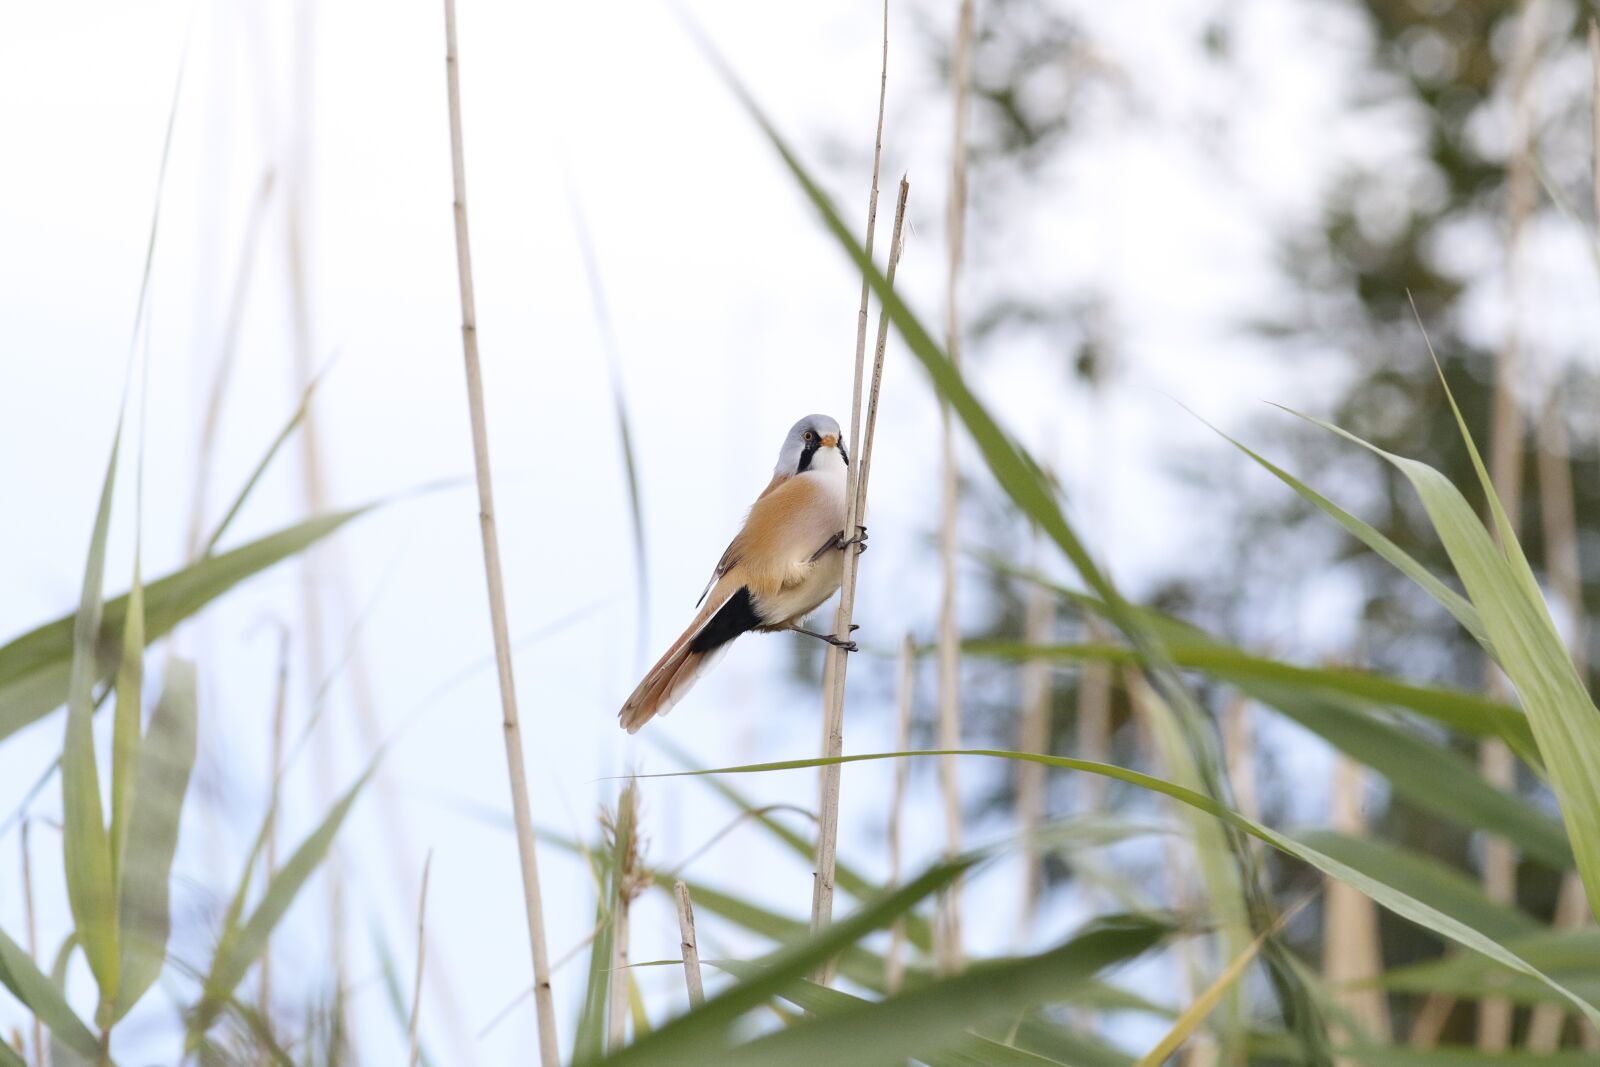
(422,951)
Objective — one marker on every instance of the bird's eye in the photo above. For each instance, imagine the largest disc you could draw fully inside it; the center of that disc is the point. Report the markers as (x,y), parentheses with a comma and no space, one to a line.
(810,436)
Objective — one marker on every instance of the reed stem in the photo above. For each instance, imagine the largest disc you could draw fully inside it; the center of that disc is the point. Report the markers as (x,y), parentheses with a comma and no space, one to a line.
(544,1001)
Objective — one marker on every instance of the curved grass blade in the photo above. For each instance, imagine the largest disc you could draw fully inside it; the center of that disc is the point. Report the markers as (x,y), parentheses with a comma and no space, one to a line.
(284,434)
(1466,712)
(127,723)
(36,669)
(1452,601)
(165,764)
(941,1014)
(1573,954)
(932,1024)
(845,877)
(241,944)
(1527,646)
(1402,904)
(1451,891)
(20,975)
(694,1038)
(86,848)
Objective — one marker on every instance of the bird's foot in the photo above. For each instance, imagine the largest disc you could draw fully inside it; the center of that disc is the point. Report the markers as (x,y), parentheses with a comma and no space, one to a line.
(848,646)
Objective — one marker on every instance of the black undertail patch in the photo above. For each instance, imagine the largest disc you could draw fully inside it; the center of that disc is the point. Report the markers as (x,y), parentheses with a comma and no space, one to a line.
(737,616)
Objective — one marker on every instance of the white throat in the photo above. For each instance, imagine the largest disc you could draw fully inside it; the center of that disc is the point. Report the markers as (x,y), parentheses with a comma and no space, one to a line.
(829,465)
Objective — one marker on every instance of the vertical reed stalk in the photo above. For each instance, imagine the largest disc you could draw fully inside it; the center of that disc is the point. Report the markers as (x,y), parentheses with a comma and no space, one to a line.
(835,667)
(544,1001)
(828,824)
(279,705)
(1564,567)
(689,945)
(422,952)
(894,965)
(32,926)
(1038,628)
(1506,459)
(949,644)
(1351,955)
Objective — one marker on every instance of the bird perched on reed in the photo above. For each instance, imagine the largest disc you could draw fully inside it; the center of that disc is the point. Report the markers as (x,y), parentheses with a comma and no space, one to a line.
(787,560)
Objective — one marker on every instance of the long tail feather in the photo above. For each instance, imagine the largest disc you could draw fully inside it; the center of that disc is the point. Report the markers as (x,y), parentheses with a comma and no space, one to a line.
(666,683)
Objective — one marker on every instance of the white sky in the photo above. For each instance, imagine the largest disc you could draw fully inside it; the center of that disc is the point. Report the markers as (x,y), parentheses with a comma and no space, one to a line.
(734,314)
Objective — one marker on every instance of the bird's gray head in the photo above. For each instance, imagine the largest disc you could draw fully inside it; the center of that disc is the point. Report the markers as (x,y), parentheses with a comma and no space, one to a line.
(811,437)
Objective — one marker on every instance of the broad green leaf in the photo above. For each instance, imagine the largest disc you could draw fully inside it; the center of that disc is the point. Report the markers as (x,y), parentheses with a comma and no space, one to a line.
(127,723)
(1574,955)
(10,1057)
(86,848)
(1526,644)
(1402,904)
(165,764)
(1465,712)
(689,1038)
(1428,774)
(935,1012)
(1451,891)
(1401,1056)
(36,668)
(931,1024)
(20,975)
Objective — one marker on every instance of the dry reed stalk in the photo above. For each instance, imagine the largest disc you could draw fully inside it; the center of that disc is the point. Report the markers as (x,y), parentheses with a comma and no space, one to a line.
(280,704)
(948,926)
(894,965)
(226,353)
(1429,1024)
(835,667)
(422,950)
(1239,751)
(689,945)
(828,821)
(1505,462)
(544,1001)
(1350,944)
(629,880)
(1038,628)
(1557,509)
(31,924)
(1094,722)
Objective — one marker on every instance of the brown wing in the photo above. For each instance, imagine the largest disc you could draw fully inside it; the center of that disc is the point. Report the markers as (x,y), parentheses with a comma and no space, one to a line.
(731,554)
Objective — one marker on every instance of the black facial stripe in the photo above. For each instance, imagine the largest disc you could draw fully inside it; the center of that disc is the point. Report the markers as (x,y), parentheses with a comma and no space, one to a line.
(806,453)
(843,454)
(735,617)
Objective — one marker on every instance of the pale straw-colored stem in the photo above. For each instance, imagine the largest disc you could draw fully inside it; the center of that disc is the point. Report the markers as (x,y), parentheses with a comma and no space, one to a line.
(422,953)
(280,704)
(544,1001)
(948,927)
(1505,462)
(1562,562)
(1351,957)
(894,964)
(617,986)
(1038,627)
(32,926)
(834,665)
(834,679)
(689,945)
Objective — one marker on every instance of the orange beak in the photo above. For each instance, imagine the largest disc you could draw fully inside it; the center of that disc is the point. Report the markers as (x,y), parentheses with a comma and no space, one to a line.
(829,440)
